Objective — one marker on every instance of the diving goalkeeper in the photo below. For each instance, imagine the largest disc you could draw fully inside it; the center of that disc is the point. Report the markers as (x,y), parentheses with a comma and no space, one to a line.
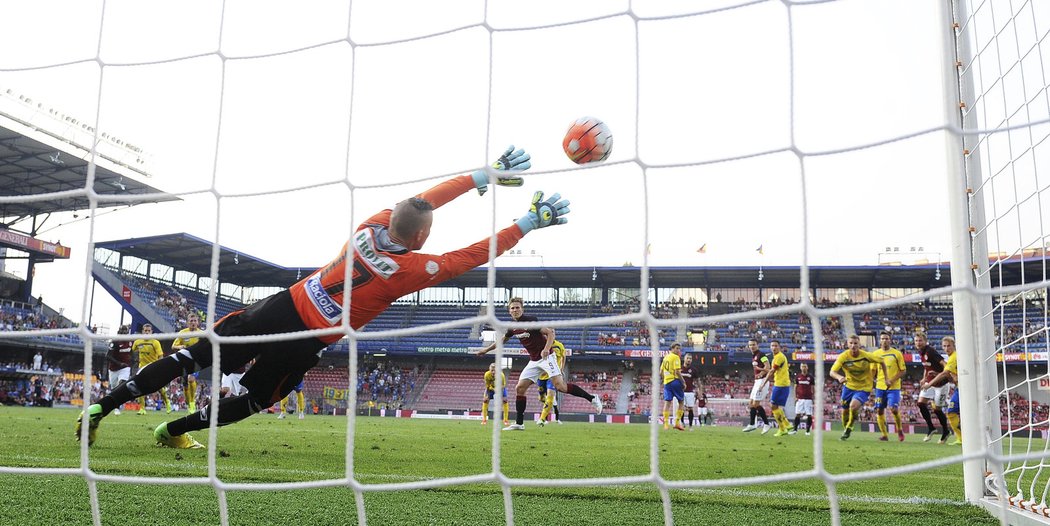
(385,267)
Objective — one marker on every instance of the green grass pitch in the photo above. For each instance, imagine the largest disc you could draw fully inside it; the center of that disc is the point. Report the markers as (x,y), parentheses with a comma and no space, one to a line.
(264,449)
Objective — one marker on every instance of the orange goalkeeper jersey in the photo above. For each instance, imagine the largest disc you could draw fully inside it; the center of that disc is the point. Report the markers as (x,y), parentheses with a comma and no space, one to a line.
(384,271)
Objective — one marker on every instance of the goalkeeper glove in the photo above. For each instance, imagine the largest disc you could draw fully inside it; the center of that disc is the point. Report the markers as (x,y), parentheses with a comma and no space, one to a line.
(544,213)
(512,161)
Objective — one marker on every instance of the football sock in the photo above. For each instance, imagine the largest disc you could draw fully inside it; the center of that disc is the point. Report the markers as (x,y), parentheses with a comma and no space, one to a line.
(557,415)
(520,404)
(164,396)
(546,411)
(667,423)
(956,426)
(849,418)
(506,410)
(484,410)
(681,415)
(944,422)
(798,419)
(691,417)
(809,422)
(897,420)
(881,418)
(754,413)
(575,390)
(300,401)
(782,419)
(924,409)
(231,409)
(149,380)
(191,391)
(284,405)
(762,415)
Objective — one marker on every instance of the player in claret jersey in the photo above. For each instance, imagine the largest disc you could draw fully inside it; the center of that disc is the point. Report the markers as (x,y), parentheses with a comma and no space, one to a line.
(932,367)
(803,399)
(759,391)
(384,266)
(119,360)
(537,343)
(691,377)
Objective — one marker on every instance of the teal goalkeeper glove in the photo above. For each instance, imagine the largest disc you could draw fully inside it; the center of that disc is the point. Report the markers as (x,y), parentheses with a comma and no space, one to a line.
(512,161)
(544,213)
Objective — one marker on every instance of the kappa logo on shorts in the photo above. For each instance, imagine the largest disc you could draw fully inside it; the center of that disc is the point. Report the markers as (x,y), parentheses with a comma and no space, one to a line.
(324,304)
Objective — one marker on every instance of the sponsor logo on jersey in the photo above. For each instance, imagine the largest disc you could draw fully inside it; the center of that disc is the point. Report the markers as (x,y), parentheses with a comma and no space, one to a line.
(380,263)
(432,267)
(324,304)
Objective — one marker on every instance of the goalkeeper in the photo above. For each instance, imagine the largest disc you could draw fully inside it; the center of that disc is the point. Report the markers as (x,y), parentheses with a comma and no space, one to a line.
(384,267)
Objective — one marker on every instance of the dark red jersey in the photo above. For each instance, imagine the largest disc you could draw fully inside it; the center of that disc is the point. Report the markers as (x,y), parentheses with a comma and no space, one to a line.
(803,386)
(532,339)
(932,364)
(121,352)
(759,362)
(689,375)
(701,401)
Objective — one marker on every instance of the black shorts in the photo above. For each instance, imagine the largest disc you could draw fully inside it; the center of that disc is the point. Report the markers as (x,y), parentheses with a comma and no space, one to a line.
(279,365)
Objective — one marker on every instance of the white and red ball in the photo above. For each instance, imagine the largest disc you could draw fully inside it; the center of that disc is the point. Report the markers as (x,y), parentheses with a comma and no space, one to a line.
(589,140)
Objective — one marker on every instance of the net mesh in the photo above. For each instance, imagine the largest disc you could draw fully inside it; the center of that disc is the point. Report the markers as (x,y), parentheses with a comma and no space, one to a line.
(1008,72)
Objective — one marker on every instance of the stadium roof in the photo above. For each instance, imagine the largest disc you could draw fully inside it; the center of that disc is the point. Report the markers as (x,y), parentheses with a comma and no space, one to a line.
(186,252)
(34,161)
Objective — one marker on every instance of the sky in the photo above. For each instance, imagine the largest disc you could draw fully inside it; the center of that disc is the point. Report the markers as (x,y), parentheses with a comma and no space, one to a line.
(341,114)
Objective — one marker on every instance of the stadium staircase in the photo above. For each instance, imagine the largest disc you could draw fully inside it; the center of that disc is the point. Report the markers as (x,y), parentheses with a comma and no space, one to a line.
(139,304)
(848,327)
(626,386)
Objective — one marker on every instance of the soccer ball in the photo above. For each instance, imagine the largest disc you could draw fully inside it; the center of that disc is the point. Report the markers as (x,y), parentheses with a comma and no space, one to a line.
(589,140)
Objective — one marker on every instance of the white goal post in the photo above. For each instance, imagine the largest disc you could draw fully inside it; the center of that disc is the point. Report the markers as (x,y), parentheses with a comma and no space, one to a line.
(990,47)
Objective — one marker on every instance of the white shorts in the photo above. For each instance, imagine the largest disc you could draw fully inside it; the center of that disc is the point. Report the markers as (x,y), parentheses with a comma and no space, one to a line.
(115,377)
(534,369)
(803,407)
(233,383)
(758,391)
(938,395)
(690,399)
(703,411)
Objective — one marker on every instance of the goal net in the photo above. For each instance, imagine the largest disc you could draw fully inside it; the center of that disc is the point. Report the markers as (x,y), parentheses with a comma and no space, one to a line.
(767,134)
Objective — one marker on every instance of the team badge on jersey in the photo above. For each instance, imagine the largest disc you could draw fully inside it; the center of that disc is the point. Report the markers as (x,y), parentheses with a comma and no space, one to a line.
(431,267)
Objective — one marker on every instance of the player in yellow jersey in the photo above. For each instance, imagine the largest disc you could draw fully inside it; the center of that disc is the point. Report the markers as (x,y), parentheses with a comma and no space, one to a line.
(674,387)
(149,351)
(780,375)
(856,363)
(888,390)
(300,402)
(951,373)
(490,393)
(193,324)
(550,400)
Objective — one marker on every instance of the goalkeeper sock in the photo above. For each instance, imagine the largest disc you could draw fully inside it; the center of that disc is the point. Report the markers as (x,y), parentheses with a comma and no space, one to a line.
(924,409)
(576,390)
(520,404)
(231,409)
(149,380)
